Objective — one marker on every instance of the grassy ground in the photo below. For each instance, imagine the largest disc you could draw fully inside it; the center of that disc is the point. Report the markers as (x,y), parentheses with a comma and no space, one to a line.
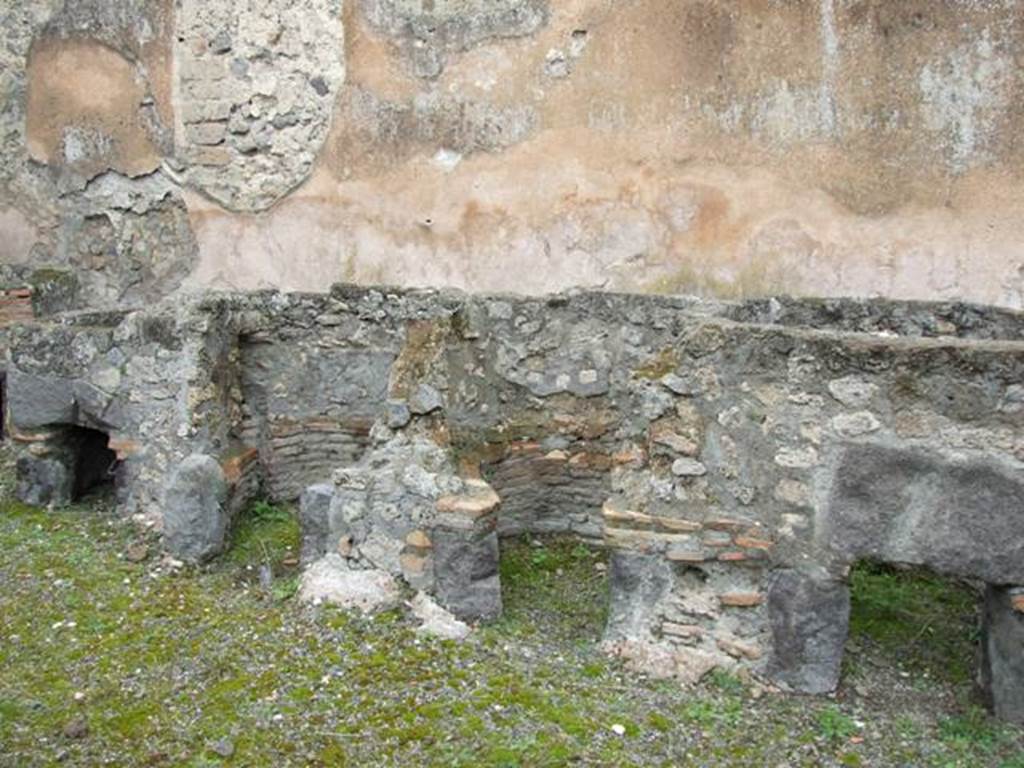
(106,661)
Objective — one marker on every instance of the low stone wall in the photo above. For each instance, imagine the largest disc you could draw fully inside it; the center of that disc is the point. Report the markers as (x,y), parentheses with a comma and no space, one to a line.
(738,458)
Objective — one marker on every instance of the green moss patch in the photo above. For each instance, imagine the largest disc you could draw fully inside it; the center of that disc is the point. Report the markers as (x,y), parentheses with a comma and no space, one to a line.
(927,622)
(207,667)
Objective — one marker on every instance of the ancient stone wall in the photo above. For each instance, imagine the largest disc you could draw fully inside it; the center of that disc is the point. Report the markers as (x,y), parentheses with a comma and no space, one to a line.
(737,457)
(862,148)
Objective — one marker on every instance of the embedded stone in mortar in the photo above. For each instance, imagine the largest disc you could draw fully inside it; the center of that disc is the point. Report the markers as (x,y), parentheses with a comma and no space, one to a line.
(256,89)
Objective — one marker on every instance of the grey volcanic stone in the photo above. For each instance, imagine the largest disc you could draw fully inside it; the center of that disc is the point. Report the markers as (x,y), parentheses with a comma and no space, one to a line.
(688,468)
(195,513)
(314,520)
(909,506)
(398,414)
(425,400)
(1002,655)
(810,617)
(637,583)
(44,481)
(466,573)
(36,401)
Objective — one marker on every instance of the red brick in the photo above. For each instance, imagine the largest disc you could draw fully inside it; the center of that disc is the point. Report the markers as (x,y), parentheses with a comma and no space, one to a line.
(749,542)
(725,524)
(686,556)
(235,466)
(732,557)
(739,649)
(741,599)
(123,447)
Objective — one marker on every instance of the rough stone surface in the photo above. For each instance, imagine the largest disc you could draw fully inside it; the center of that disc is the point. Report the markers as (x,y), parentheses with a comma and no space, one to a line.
(301,143)
(466,570)
(398,414)
(636,581)
(314,521)
(558,417)
(330,580)
(429,30)
(195,517)
(437,622)
(810,615)
(1002,642)
(256,87)
(425,400)
(149,150)
(44,482)
(956,516)
(38,401)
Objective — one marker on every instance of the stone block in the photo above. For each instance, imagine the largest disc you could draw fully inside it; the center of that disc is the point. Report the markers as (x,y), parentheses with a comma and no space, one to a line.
(960,517)
(686,467)
(739,649)
(855,424)
(38,401)
(211,156)
(195,513)
(425,400)
(741,599)
(330,580)
(314,521)
(207,133)
(44,481)
(852,391)
(809,614)
(638,583)
(1002,655)
(397,414)
(466,573)
(479,501)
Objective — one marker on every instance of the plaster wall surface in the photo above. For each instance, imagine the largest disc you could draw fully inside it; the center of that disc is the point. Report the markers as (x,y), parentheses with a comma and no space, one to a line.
(729,149)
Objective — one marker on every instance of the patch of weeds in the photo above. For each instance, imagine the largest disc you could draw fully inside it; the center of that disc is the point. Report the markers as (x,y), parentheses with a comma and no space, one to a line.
(972,728)
(700,713)
(906,727)
(284,589)
(266,534)
(725,681)
(659,722)
(911,613)
(265,511)
(553,586)
(834,725)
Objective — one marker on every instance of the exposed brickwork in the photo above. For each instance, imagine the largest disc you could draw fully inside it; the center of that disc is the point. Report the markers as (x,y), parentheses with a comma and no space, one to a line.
(15,306)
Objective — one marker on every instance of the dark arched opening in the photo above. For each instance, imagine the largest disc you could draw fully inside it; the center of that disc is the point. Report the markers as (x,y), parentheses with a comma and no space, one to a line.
(72,463)
(94,465)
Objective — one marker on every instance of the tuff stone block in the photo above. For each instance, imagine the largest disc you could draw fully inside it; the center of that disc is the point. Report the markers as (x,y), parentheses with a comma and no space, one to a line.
(1002,654)
(466,573)
(314,521)
(195,514)
(957,516)
(809,614)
